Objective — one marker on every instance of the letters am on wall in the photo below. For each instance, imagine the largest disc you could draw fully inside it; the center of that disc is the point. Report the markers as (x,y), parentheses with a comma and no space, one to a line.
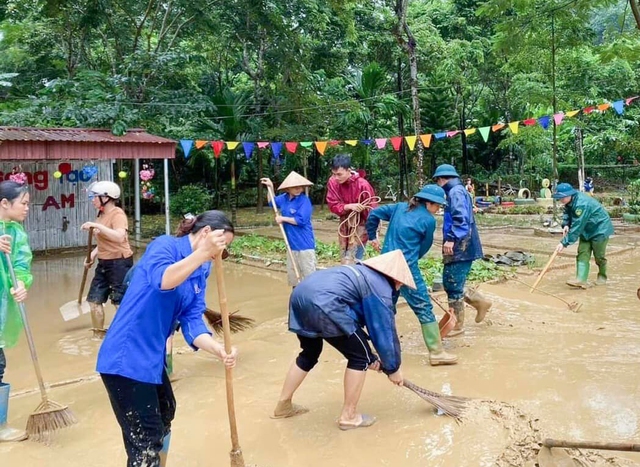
(59,206)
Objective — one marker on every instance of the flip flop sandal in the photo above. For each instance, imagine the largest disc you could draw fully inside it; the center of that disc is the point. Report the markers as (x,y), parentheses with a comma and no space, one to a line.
(367,420)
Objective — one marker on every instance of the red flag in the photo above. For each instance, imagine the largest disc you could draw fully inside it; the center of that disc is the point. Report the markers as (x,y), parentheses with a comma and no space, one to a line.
(529,121)
(217,147)
(589,109)
(334,142)
(291,146)
(396,142)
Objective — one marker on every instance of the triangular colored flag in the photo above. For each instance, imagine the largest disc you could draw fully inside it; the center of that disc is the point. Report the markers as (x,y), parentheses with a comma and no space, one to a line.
(619,107)
(484,131)
(411,141)
(396,142)
(306,144)
(262,144)
(276,148)
(469,131)
(367,142)
(588,110)
(426,140)
(186,144)
(529,121)
(497,127)
(572,113)
(200,143)
(631,99)
(381,143)
(231,145)
(453,133)
(291,146)
(558,118)
(514,126)
(442,134)
(351,142)
(217,147)
(321,146)
(248,149)
(334,142)
(603,107)
(544,121)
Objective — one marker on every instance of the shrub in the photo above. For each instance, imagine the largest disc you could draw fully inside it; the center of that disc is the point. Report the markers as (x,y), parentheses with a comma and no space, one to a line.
(191,198)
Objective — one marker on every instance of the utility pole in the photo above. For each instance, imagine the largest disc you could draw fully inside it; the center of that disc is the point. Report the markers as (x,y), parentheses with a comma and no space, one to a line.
(555,110)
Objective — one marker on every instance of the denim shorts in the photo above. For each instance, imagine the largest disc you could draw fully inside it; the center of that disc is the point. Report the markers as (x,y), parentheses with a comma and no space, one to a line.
(108,281)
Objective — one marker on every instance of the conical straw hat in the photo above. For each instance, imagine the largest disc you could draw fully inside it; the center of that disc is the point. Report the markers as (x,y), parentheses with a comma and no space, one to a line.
(294,179)
(393,265)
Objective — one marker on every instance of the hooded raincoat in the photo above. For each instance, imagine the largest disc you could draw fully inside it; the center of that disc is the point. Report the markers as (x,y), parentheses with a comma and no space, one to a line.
(587,219)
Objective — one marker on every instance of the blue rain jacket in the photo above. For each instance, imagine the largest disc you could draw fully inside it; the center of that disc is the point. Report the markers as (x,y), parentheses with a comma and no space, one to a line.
(459,224)
(336,301)
(300,236)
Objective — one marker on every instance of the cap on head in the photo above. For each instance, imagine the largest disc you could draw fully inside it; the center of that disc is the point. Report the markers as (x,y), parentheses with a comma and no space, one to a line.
(445,170)
(563,190)
(432,193)
(105,188)
(294,179)
(393,265)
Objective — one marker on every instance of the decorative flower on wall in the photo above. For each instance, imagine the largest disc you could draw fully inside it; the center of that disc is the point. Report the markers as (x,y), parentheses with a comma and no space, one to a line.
(18,176)
(146,175)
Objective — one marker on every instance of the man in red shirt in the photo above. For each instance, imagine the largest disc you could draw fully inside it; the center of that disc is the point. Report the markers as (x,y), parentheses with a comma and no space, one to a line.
(348,196)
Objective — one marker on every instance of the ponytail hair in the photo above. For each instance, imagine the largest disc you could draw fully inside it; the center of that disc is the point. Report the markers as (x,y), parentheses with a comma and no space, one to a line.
(414,202)
(216,220)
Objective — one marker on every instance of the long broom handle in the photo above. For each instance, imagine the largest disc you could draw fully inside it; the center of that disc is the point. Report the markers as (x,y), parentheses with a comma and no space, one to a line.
(559,443)
(86,270)
(284,235)
(27,330)
(544,271)
(226,327)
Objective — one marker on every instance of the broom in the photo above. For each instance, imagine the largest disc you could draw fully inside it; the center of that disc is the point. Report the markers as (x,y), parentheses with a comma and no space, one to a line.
(237,322)
(49,416)
(452,406)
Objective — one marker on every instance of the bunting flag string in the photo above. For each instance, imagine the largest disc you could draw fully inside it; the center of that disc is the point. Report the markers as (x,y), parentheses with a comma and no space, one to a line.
(396,141)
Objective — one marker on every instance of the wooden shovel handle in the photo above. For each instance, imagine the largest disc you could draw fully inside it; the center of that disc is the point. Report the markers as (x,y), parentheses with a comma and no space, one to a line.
(86,270)
(544,270)
(272,197)
(559,443)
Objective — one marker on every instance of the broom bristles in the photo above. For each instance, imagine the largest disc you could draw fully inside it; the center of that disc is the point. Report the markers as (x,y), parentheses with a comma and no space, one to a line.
(237,322)
(452,406)
(49,417)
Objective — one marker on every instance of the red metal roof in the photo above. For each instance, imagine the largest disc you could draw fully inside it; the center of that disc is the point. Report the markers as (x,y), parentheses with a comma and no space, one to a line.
(80,135)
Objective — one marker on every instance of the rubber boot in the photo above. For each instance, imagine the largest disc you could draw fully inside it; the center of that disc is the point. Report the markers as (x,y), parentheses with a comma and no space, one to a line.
(479,302)
(166,441)
(97,321)
(437,354)
(458,310)
(602,274)
(582,276)
(8,434)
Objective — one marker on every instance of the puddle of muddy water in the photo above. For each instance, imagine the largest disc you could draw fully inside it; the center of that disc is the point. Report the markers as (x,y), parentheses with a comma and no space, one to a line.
(573,375)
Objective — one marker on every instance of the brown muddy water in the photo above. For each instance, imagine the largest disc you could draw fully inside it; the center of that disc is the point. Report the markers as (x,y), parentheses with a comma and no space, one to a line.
(560,374)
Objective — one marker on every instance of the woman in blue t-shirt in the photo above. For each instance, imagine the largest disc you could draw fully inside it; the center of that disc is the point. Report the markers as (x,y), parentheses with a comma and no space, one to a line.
(168,285)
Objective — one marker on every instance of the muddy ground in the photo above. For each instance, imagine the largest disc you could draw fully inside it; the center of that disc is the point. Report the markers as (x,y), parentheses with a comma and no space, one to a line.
(557,373)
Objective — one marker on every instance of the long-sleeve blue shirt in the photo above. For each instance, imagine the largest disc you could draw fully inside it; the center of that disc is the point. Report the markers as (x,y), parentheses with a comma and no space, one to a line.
(337,301)
(300,236)
(459,225)
(409,231)
(134,347)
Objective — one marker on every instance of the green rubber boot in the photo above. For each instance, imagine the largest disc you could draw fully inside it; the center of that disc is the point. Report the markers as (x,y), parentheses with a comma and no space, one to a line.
(602,273)
(582,276)
(437,354)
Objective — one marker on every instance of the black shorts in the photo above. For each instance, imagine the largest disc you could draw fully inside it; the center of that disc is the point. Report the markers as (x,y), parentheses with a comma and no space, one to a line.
(355,349)
(108,281)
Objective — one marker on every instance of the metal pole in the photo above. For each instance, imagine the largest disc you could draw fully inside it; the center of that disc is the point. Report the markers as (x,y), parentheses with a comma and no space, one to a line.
(136,194)
(555,109)
(166,197)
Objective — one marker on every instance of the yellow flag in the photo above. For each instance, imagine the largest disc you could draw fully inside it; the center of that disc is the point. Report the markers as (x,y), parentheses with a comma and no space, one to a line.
(573,113)
(321,146)
(232,144)
(411,141)
(351,142)
(513,126)
(469,131)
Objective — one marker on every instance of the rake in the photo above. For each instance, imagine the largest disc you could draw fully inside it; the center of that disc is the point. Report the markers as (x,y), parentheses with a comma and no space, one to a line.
(573,306)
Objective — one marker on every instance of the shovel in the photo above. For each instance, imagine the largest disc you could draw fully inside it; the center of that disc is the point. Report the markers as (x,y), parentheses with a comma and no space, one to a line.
(73,309)
(448,320)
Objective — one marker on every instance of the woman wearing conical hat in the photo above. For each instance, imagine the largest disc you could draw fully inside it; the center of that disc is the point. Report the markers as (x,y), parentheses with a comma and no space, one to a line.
(295,216)
(336,305)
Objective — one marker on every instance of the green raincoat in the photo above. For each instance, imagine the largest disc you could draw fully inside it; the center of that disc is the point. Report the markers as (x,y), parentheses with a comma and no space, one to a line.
(10,319)
(587,219)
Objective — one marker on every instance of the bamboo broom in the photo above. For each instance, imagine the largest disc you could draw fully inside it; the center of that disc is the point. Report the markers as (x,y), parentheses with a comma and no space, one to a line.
(237,322)
(49,416)
(452,406)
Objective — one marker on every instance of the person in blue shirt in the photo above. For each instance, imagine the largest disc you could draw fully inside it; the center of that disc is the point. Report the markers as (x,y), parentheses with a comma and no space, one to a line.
(335,305)
(461,247)
(295,216)
(411,228)
(168,285)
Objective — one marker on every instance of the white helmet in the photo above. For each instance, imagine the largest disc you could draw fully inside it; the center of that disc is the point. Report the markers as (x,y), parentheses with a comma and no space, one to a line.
(105,188)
